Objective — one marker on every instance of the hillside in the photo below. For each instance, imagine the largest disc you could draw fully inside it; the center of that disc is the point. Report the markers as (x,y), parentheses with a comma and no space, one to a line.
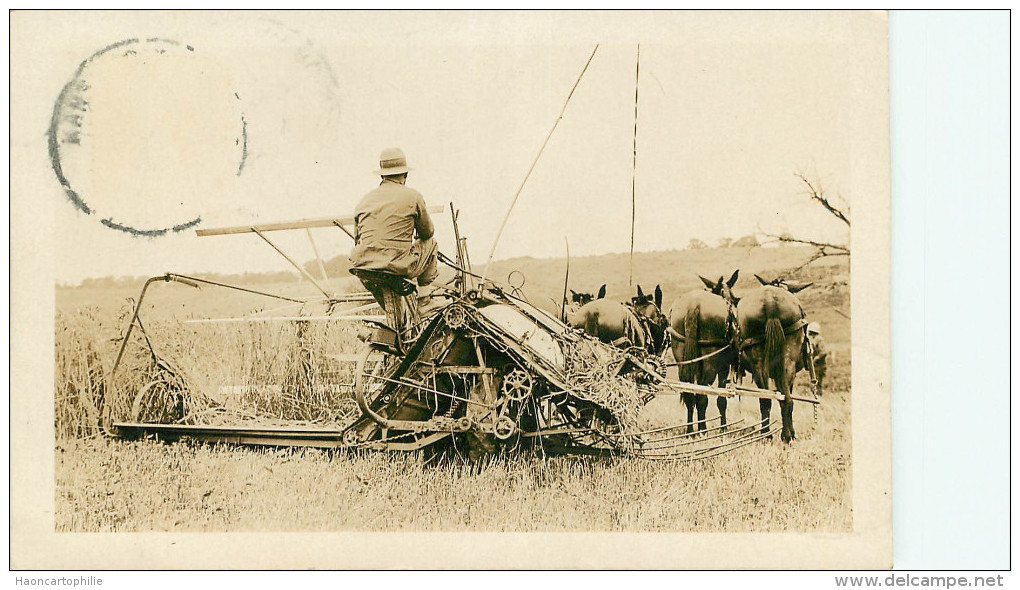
(675,270)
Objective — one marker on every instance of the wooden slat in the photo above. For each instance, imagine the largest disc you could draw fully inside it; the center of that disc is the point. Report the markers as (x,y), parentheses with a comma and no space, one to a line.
(307,318)
(677,387)
(284,225)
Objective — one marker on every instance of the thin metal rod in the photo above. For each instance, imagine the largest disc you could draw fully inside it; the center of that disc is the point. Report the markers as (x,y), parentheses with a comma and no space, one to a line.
(353,297)
(293,263)
(131,325)
(465,285)
(427,390)
(315,249)
(633,172)
(695,440)
(236,288)
(702,453)
(307,318)
(697,455)
(363,307)
(268,312)
(566,280)
(722,428)
(660,429)
(346,231)
(502,226)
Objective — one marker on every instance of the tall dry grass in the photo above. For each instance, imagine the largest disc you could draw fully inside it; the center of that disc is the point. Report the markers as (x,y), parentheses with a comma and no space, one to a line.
(199,373)
(80,375)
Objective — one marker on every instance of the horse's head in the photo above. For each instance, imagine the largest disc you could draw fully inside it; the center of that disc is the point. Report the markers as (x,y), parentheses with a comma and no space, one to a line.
(580,299)
(791,286)
(649,309)
(723,288)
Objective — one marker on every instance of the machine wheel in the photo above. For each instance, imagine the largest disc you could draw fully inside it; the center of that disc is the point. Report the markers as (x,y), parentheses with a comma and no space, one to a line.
(351,438)
(505,428)
(158,401)
(517,385)
(372,363)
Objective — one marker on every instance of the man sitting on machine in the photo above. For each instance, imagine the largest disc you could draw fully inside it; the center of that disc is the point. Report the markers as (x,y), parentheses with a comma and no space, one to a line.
(394,238)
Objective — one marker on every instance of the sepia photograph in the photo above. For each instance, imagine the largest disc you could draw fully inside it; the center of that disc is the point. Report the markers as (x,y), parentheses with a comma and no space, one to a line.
(394,279)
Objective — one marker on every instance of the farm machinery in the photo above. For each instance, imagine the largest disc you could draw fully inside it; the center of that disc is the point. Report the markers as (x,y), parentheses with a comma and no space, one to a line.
(483,372)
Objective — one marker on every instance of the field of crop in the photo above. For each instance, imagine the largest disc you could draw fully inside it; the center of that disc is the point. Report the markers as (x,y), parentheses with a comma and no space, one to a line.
(272,371)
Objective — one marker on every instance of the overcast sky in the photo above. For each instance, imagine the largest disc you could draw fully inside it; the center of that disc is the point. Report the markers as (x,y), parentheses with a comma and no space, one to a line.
(731,106)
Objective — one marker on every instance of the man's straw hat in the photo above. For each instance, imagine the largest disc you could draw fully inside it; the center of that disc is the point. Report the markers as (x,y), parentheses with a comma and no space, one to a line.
(392,162)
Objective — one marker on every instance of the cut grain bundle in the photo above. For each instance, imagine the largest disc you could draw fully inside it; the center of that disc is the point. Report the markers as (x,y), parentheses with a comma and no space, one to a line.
(79,376)
(594,369)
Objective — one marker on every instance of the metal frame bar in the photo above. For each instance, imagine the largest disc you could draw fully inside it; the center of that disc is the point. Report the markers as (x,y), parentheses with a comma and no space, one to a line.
(318,258)
(299,268)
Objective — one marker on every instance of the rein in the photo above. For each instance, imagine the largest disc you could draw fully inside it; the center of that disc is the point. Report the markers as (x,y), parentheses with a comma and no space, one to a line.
(702,357)
(681,338)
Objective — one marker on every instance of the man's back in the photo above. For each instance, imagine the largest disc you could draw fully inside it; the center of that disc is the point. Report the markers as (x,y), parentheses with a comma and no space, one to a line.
(386,220)
(390,212)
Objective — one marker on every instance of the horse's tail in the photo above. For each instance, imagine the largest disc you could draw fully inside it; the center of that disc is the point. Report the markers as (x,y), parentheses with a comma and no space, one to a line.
(591,323)
(691,372)
(775,344)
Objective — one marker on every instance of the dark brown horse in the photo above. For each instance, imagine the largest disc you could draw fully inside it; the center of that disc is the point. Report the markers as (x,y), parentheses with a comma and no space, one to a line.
(648,309)
(702,326)
(563,310)
(639,325)
(771,327)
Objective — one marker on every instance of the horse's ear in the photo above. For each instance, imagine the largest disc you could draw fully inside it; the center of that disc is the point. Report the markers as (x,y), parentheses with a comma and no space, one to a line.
(709,284)
(640,293)
(602,292)
(733,279)
(761,280)
(796,287)
(658,297)
(573,292)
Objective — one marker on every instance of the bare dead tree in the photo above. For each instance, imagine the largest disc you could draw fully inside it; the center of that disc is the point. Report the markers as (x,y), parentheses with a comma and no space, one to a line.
(817,194)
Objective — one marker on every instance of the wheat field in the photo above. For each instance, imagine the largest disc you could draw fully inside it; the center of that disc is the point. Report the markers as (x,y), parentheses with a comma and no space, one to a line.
(272,372)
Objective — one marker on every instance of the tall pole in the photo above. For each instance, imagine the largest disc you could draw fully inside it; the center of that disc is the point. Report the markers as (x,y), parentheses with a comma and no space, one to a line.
(488,262)
(566,281)
(633,170)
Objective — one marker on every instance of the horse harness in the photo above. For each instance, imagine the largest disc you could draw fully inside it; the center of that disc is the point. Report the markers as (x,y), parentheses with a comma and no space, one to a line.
(646,324)
(724,343)
(751,342)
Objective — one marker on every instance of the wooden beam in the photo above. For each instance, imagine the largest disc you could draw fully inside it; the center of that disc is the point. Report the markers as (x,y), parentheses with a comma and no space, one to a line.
(306,318)
(679,387)
(284,225)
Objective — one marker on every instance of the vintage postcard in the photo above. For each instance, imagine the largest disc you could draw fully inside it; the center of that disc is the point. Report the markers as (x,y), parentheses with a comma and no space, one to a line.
(450,290)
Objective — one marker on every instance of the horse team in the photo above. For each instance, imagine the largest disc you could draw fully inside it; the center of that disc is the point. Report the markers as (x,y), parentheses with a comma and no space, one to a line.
(713,334)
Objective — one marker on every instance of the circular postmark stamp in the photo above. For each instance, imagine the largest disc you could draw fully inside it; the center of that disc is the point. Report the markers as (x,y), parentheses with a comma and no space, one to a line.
(145,133)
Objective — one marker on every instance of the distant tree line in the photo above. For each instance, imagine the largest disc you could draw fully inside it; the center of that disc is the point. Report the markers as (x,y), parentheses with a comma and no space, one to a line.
(749,241)
(336,267)
(250,278)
